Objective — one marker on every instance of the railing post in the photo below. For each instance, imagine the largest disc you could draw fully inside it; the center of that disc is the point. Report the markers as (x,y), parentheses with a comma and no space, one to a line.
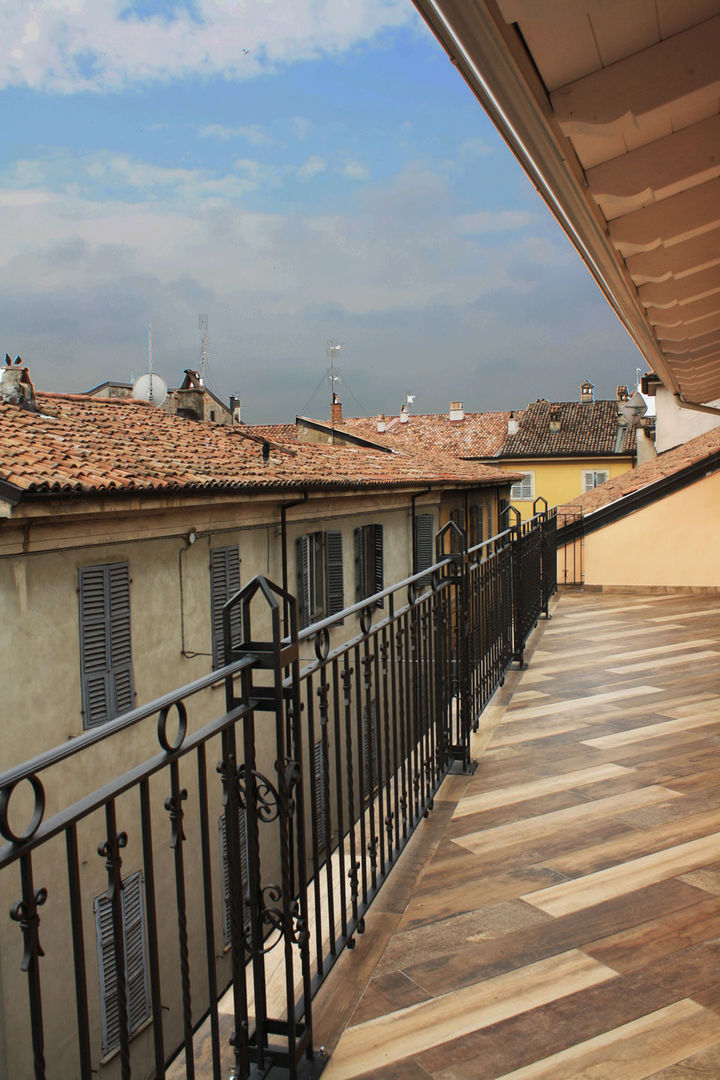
(278,911)
(459,745)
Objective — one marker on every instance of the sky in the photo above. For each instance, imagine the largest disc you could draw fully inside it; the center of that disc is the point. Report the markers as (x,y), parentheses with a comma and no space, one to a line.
(299,171)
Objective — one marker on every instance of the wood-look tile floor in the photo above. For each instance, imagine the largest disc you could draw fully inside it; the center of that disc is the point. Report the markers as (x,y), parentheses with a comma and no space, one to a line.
(558,915)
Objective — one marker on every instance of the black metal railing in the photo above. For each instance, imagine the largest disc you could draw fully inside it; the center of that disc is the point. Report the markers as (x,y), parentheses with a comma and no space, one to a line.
(241,856)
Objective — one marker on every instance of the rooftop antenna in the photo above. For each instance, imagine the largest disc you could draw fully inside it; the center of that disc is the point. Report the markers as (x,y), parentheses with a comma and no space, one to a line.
(333,351)
(150,387)
(203,327)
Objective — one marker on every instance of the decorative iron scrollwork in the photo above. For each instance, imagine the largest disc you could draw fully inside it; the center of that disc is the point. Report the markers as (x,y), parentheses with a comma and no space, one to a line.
(173,804)
(37,815)
(25,912)
(168,746)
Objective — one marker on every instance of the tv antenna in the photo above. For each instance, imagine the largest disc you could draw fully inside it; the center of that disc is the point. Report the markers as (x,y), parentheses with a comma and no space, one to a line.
(203,328)
(333,351)
(150,387)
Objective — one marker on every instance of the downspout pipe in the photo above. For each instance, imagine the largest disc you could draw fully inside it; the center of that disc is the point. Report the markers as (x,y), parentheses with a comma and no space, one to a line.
(417,495)
(283,545)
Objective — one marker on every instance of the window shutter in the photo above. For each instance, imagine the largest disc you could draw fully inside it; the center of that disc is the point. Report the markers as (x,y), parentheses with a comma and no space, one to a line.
(370,755)
(524,489)
(120,638)
(242,820)
(587,481)
(334,593)
(303,581)
(224,583)
(423,542)
(379,575)
(105,642)
(138,1000)
(360,565)
(320,808)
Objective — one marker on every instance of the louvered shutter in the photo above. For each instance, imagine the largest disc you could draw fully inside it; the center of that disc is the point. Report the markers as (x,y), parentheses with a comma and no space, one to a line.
(224,862)
(423,542)
(120,637)
(378,546)
(303,581)
(361,590)
(105,642)
(224,583)
(136,987)
(334,592)
(369,747)
(320,808)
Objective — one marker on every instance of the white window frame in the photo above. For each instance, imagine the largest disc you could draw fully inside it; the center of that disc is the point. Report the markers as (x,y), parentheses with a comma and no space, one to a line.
(592,478)
(523,490)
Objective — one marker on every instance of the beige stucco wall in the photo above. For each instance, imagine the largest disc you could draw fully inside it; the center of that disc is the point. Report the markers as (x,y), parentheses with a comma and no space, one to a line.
(672,542)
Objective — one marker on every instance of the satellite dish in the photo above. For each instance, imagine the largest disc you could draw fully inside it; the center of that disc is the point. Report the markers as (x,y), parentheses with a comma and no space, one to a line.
(150,387)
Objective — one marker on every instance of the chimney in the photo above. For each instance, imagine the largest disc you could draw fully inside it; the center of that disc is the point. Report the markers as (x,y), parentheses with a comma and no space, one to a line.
(236,408)
(15,385)
(381,423)
(456,411)
(403,415)
(554,419)
(587,392)
(513,425)
(335,411)
(622,393)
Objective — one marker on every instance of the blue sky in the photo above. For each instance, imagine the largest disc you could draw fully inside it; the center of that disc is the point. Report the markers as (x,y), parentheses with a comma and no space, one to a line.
(298,170)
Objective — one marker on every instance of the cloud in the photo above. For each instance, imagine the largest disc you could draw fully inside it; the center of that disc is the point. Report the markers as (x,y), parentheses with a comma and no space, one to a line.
(355,170)
(312,167)
(250,132)
(105,45)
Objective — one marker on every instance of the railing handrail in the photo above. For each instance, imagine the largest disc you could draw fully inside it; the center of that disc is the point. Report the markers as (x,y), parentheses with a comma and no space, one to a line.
(120,723)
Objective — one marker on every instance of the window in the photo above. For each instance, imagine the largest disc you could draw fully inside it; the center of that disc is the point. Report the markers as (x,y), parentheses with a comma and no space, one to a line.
(592,478)
(224,583)
(476,524)
(424,531)
(371,775)
(105,644)
(320,809)
(135,950)
(320,575)
(523,489)
(369,561)
(242,834)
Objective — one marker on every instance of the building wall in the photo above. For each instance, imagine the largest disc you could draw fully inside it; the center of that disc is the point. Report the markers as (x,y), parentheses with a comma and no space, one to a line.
(671,543)
(560,481)
(676,425)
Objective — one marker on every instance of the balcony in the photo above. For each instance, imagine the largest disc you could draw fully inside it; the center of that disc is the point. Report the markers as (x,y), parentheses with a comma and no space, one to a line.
(315,915)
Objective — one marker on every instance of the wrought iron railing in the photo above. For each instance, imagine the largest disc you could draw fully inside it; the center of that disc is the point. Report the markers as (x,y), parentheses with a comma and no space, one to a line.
(255,841)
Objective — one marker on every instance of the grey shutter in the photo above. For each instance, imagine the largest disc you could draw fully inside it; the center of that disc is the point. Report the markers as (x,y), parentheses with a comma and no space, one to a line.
(242,820)
(361,589)
(105,642)
(423,542)
(378,544)
(224,583)
(303,581)
(334,592)
(320,808)
(369,748)
(135,948)
(120,638)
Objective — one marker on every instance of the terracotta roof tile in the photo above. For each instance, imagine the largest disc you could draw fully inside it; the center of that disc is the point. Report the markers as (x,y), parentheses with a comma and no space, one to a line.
(77,443)
(586,429)
(666,464)
(478,435)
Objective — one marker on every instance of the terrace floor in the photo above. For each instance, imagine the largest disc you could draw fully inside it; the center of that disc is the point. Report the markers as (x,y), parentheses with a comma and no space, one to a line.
(557,916)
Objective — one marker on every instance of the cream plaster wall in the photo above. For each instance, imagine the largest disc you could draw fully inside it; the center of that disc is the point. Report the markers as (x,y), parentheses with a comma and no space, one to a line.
(673,543)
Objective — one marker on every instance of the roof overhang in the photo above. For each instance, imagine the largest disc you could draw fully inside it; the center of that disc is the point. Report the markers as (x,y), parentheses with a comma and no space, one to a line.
(613,110)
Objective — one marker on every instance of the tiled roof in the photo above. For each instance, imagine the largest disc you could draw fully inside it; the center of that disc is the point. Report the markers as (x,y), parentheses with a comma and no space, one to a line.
(479,435)
(587,429)
(81,444)
(667,464)
(281,432)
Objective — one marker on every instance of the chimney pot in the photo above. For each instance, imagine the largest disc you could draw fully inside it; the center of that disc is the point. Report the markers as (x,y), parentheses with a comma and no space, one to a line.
(622,393)
(16,387)
(381,423)
(513,425)
(403,415)
(587,391)
(336,416)
(456,411)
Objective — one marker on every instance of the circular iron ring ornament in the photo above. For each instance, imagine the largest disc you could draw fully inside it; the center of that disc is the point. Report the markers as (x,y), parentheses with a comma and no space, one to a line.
(37,814)
(366,619)
(412,593)
(322,643)
(167,746)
